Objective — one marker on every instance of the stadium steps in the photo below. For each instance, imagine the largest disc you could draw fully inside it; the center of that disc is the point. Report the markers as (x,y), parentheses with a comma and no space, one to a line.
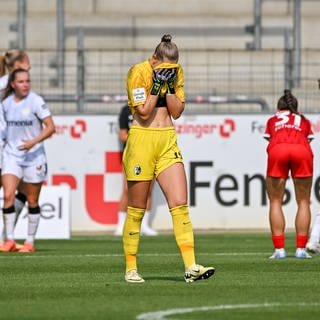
(41,35)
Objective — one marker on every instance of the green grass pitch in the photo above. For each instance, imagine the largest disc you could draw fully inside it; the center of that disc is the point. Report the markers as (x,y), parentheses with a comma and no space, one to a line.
(83,278)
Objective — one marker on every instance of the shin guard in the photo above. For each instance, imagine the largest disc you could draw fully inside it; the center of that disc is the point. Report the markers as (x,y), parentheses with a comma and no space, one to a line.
(131,236)
(183,232)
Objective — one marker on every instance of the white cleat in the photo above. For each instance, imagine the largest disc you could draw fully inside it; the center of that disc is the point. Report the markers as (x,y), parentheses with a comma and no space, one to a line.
(278,254)
(147,231)
(313,247)
(198,272)
(133,276)
(301,253)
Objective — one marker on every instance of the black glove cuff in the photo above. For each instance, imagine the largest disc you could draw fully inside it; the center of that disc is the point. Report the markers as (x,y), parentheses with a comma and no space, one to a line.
(171,89)
(156,88)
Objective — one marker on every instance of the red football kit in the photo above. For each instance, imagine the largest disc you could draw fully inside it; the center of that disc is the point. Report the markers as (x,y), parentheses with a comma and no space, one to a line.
(289,136)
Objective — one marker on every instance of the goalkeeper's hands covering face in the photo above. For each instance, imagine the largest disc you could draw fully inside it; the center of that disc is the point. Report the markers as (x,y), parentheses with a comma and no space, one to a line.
(164,74)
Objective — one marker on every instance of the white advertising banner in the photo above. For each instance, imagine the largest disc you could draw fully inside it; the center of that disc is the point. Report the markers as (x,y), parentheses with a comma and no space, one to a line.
(55,215)
(225,161)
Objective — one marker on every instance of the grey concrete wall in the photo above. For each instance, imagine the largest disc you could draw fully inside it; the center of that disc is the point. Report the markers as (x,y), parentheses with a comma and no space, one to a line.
(41,21)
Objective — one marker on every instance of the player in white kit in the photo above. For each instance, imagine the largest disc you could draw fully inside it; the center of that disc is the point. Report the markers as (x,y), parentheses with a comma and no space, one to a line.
(11,60)
(28,124)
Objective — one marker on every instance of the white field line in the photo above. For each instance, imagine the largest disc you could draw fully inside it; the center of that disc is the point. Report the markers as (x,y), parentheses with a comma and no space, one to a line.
(7,255)
(162,315)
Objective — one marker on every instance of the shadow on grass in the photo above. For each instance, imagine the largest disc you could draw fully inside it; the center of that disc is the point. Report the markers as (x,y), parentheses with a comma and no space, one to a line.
(164,278)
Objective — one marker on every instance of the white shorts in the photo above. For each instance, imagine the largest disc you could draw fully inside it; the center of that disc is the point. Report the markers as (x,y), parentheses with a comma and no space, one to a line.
(29,174)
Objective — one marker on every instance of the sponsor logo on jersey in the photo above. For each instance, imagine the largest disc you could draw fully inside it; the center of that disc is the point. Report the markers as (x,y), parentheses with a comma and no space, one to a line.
(22,123)
(139,95)
(25,111)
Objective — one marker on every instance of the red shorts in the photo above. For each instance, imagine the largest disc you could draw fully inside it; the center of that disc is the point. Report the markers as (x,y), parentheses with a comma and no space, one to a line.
(285,157)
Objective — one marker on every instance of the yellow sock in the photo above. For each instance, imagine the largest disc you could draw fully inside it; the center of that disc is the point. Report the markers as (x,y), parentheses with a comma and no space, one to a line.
(131,236)
(183,233)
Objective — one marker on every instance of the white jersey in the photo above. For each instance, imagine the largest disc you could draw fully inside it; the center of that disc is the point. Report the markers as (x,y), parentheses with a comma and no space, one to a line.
(3,84)
(23,122)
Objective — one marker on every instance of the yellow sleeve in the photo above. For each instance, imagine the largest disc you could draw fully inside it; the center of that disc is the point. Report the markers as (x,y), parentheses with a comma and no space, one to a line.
(135,88)
(179,86)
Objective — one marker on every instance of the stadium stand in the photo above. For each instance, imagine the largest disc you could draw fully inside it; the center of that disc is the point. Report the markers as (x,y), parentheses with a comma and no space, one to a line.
(211,35)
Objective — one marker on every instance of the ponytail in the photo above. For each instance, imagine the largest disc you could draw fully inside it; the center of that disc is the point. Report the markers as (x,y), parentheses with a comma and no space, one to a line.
(167,49)
(2,66)
(289,102)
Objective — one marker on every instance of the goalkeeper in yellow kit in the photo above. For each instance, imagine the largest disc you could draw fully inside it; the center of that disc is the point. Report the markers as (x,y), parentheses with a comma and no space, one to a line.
(155,91)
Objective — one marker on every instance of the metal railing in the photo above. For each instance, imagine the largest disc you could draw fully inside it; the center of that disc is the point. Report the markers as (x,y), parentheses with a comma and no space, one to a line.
(93,81)
(216,80)
(291,37)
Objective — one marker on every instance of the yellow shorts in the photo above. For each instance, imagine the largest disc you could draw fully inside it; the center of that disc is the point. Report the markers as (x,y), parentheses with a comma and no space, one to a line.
(149,151)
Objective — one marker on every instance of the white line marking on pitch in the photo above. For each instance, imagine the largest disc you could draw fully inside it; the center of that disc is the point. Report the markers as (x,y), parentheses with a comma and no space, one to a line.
(161,315)
(7,255)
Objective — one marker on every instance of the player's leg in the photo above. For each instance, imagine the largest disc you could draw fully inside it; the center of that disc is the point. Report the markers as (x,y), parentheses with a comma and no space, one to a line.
(275,190)
(302,173)
(137,201)
(10,183)
(173,183)
(314,239)
(33,177)
(302,187)
(19,203)
(34,214)
(2,233)
(20,198)
(139,166)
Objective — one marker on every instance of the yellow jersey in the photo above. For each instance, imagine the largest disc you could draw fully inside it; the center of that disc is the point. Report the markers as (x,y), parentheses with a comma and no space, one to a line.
(139,83)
